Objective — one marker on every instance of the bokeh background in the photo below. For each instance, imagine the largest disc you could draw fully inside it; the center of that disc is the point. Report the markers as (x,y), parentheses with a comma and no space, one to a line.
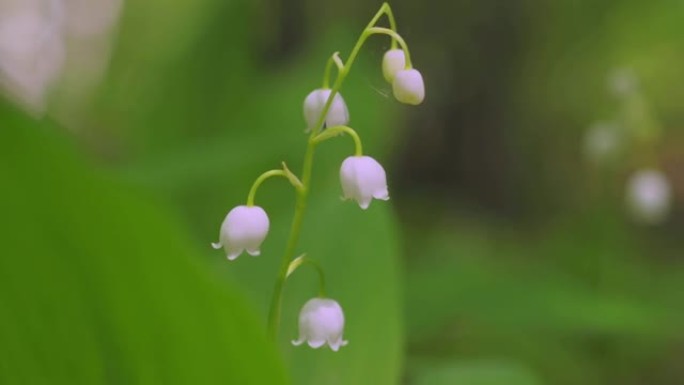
(507,254)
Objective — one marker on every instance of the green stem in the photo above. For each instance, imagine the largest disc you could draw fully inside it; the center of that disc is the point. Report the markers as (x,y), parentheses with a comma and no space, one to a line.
(285,172)
(392,23)
(259,181)
(395,37)
(336,130)
(333,59)
(302,259)
(275,308)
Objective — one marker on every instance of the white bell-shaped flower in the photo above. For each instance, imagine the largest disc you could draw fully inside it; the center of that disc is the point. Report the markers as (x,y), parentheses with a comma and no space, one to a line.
(321,321)
(244,228)
(408,86)
(338,114)
(363,179)
(648,196)
(393,62)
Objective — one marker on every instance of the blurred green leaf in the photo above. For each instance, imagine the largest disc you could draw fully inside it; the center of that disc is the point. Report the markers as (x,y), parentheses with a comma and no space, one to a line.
(475,373)
(99,285)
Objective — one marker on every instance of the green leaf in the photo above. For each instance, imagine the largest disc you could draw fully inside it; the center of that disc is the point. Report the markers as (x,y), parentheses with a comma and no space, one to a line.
(98,284)
(475,373)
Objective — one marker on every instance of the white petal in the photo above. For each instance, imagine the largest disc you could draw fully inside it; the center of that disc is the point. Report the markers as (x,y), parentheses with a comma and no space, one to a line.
(254,252)
(382,194)
(649,195)
(298,342)
(321,321)
(244,228)
(408,87)
(233,255)
(314,103)
(316,343)
(393,62)
(216,245)
(363,179)
(364,203)
(338,114)
(335,345)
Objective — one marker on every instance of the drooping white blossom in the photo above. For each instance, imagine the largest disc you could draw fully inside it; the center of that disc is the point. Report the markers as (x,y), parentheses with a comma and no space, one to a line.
(363,179)
(649,196)
(338,114)
(393,62)
(321,321)
(244,228)
(408,86)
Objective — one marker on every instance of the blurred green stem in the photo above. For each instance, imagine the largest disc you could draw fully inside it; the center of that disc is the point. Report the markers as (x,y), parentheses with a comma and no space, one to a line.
(303,192)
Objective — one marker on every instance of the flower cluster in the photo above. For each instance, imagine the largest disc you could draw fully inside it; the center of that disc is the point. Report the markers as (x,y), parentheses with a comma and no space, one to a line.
(631,138)
(362,179)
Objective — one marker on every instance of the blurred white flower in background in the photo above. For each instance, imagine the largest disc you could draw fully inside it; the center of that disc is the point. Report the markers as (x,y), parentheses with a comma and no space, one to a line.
(623,82)
(42,40)
(649,196)
(603,142)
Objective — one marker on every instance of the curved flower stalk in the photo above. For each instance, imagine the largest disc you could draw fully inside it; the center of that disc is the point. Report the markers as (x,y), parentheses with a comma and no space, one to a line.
(362,178)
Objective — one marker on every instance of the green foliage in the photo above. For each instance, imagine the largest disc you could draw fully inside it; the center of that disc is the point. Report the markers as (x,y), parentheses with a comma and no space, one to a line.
(202,152)
(474,373)
(98,284)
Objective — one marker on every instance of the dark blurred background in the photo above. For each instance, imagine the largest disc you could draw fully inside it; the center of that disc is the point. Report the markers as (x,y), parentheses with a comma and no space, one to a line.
(513,251)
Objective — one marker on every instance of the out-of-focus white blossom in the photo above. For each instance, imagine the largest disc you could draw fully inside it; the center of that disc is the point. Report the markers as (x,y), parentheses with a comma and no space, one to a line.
(244,228)
(42,40)
(623,82)
(338,114)
(603,142)
(363,179)
(32,53)
(649,196)
(321,321)
(408,86)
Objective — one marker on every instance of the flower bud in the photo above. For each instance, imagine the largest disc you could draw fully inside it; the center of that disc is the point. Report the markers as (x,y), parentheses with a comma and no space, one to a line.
(338,115)
(321,321)
(244,228)
(648,196)
(393,61)
(408,87)
(363,179)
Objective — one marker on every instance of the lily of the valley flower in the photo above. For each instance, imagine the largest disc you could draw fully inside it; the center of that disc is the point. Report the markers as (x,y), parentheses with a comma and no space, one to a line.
(321,321)
(363,179)
(338,114)
(393,62)
(244,228)
(408,86)
(648,196)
